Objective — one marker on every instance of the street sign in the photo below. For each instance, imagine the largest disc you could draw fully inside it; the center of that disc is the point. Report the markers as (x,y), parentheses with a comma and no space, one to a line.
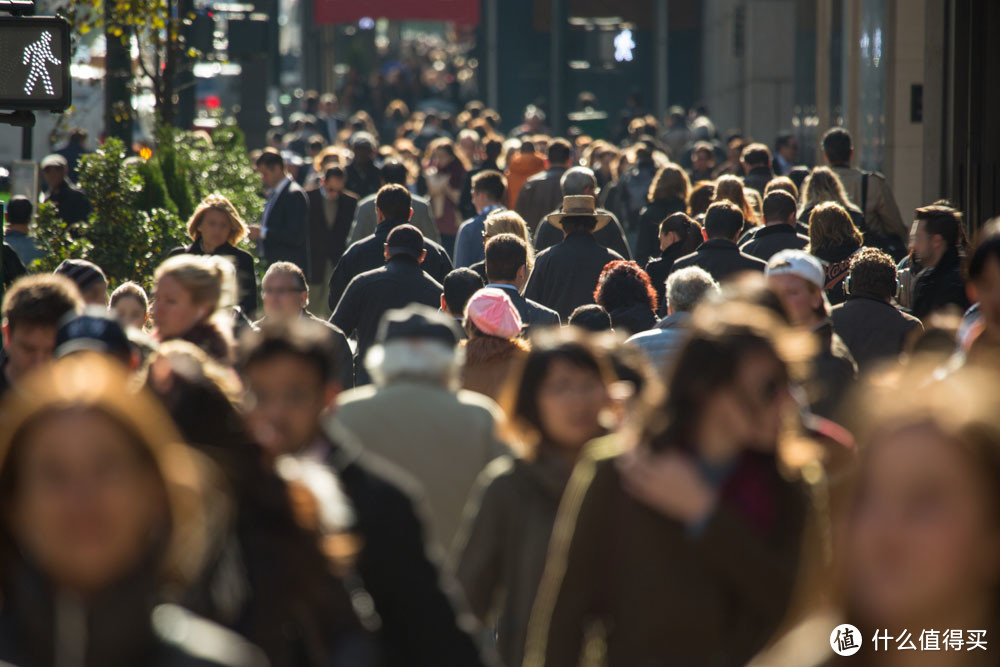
(34,63)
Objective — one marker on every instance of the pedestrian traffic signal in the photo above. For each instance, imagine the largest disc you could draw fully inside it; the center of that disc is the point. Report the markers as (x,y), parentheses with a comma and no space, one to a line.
(34,63)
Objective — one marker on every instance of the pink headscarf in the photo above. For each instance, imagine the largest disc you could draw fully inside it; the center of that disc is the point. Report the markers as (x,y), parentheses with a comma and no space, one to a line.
(493,313)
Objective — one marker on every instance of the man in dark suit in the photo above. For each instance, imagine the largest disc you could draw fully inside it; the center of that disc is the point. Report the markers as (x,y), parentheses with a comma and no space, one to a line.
(566,274)
(542,192)
(720,255)
(283,233)
(392,208)
(331,211)
(399,283)
(506,269)
(779,232)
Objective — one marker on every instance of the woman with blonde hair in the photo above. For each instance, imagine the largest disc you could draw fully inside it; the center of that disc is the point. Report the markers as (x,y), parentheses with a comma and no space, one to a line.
(505,222)
(192,300)
(730,188)
(835,240)
(823,185)
(106,516)
(668,194)
(216,228)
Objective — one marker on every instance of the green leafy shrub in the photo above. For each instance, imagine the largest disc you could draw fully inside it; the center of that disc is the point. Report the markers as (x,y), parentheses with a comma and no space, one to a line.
(53,237)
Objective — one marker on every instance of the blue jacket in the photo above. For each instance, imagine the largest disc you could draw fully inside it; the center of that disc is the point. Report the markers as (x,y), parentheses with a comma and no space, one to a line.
(469,242)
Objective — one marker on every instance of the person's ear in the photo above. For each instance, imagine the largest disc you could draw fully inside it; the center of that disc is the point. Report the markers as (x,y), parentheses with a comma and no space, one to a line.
(423,256)
(410,215)
(6,334)
(970,291)
(387,255)
(522,274)
(330,394)
(444,305)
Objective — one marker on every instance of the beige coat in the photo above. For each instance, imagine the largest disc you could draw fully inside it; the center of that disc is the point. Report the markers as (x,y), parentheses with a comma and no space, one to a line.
(881,211)
(442,438)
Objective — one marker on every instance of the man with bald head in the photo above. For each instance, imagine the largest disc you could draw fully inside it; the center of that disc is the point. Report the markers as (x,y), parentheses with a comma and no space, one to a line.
(581,181)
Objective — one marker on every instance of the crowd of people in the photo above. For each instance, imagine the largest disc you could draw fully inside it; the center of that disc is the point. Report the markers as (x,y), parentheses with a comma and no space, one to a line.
(509,400)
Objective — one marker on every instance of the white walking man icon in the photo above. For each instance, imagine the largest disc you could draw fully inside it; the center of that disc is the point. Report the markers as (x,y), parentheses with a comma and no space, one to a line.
(38,54)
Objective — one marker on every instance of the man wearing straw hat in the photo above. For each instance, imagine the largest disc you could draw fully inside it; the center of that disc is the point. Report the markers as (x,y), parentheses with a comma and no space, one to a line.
(566,274)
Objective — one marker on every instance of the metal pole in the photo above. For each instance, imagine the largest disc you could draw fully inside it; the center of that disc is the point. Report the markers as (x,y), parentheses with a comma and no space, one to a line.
(26,139)
(662,69)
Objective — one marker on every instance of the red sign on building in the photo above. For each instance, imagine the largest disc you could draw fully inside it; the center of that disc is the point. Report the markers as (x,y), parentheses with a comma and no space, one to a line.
(463,12)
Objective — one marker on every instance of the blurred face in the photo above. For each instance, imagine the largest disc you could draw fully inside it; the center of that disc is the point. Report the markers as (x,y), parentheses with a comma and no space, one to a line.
(790,150)
(96,295)
(54,176)
(333,187)
(284,299)
(130,312)
(270,176)
(701,160)
(87,505)
(285,399)
(442,157)
(921,544)
(173,311)
(28,346)
(800,298)
(214,229)
(928,248)
(749,412)
(988,292)
(569,404)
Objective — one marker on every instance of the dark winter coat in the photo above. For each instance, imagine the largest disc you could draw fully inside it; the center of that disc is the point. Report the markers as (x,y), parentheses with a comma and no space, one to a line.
(611,235)
(940,286)
(328,239)
(721,258)
(287,229)
(765,242)
(632,319)
(873,329)
(834,371)
(565,276)
(659,270)
(540,194)
(532,314)
(369,253)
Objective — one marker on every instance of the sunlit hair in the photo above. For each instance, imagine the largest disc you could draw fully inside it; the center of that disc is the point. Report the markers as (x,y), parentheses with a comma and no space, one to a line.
(823,185)
(730,188)
(830,226)
(519,397)
(91,383)
(211,281)
(237,228)
(670,182)
(448,146)
(784,184)
(510,222)
(623,284)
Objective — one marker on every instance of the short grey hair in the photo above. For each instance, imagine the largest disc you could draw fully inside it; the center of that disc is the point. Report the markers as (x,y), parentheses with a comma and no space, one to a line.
(577,179)
(688,286)
(420,360)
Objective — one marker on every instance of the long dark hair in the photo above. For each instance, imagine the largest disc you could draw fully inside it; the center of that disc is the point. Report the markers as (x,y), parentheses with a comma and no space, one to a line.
(688,232)
(520,396)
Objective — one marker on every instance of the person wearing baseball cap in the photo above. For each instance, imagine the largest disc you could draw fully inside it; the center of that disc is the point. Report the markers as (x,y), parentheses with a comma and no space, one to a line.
(494,347)
(72,203)
(798,279)
(399,283)
(95,331)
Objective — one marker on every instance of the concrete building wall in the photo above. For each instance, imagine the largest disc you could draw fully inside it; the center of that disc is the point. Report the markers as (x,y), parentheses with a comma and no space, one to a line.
(905,141)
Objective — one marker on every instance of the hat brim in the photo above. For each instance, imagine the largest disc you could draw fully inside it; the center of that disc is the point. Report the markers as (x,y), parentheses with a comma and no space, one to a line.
(555,219)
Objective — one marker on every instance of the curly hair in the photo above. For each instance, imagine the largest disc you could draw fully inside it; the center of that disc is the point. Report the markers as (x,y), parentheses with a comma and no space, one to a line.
(829,226)
(624,284)
(238,228)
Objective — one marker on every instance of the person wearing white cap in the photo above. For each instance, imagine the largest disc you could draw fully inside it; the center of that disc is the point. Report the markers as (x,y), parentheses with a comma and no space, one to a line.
(798,279)
(71,202)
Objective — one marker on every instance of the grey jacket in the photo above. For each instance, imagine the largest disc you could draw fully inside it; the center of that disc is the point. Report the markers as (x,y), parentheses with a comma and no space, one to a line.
(365,220)
(662,344)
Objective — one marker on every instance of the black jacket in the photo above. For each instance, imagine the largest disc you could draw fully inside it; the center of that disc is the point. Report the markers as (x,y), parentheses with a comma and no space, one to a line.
(648,243)
(765,242)
(327,241)
(369,253)
(834,371)
(363,180)
(566,274)
(13,267)
(420,625)
(940,286)
(873,329)
(287,229)
(721,258)
(71,202)
(837,264)
(659,270)
(532,314)
(120,628)
(633,319)
(758,178)
(610,236)
(246,277)
(396,285)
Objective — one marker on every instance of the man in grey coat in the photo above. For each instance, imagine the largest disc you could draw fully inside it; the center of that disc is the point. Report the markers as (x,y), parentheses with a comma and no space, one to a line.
(365,219)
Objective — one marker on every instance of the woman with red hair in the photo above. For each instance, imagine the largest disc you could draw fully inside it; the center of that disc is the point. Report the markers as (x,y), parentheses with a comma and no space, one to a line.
(625,292)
